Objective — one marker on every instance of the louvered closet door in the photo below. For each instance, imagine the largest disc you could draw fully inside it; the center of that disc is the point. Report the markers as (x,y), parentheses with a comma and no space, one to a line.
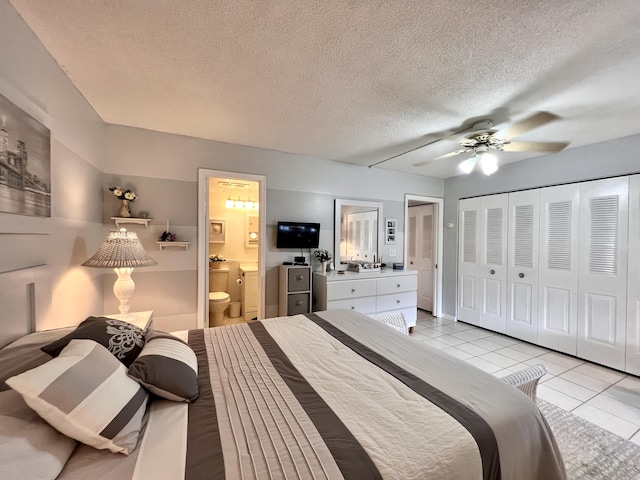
(469,260)
(493,263)
(558,268)
(633,292)
(522,274)
(602,284)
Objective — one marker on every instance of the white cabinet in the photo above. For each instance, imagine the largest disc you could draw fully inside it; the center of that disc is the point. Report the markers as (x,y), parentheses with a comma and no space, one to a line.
(295,289)
(249,293)
(369,293)
(563,271)
(633,290)
(602,283)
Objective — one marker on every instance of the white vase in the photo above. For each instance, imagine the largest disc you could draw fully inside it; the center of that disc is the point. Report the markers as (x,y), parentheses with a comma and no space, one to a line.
(324,267)
(124,209)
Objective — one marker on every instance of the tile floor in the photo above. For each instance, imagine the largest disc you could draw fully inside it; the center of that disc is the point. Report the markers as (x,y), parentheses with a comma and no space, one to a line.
(606,397)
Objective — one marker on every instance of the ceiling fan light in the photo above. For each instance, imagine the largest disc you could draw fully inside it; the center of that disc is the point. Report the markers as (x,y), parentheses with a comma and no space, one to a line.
(468,164)
(489,163)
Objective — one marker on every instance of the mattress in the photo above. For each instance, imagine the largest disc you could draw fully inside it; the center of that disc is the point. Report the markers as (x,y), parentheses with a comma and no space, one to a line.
(332,395)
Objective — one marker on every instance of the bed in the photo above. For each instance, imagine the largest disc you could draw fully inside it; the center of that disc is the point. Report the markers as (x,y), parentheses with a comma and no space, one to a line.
(330,394)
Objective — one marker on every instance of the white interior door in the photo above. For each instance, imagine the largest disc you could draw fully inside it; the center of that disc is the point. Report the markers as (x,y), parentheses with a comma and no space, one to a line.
(493,262)
(522,273)
(421,252)
(469,260)
(558,267)
(633,292)
(602,284)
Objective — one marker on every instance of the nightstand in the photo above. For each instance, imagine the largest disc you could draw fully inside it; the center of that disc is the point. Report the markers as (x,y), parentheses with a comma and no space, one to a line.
(144,320)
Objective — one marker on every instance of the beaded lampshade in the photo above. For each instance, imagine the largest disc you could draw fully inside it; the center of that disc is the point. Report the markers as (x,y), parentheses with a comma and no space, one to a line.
(121,251)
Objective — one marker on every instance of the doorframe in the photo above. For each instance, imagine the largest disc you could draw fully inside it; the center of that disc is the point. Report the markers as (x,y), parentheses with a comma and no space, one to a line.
(204,174)
(437,285)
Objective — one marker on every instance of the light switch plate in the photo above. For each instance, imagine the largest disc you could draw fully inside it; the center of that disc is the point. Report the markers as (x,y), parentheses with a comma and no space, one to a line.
(392,252)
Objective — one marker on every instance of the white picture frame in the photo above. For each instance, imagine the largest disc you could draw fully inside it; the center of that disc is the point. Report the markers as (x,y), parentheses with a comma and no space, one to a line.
(390,230)
(217,231)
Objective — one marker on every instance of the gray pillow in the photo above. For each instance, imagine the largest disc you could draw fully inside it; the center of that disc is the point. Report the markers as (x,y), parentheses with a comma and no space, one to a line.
(29,446)
(123,339)
(167,367)
(85,393)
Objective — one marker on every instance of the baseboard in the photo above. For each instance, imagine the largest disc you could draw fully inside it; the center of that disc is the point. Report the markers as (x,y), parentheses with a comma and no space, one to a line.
(449,317)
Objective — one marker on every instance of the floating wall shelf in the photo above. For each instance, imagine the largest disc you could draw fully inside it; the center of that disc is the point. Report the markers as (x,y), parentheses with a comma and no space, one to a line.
(184,245)
(138,221)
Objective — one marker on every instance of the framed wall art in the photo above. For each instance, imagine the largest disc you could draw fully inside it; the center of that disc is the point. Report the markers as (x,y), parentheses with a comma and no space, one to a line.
(25,163)
(390,226)
(217,231)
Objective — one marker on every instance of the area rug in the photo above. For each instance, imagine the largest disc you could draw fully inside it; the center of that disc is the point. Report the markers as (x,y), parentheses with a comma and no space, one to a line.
(590,452)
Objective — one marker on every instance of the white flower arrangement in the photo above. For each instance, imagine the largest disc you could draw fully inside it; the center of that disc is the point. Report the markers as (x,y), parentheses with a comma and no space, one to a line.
(123,194)
(323,255)
(216,257)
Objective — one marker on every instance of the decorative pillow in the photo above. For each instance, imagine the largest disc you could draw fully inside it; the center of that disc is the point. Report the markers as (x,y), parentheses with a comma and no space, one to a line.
(86,394)
(123,339)
(167,367)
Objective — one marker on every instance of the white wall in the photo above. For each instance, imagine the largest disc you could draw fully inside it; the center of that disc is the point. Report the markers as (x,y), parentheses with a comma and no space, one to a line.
(163,170)
(32,80)
(606,159)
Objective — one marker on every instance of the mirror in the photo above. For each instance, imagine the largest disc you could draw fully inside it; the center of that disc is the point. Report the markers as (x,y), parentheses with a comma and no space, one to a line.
(357,230)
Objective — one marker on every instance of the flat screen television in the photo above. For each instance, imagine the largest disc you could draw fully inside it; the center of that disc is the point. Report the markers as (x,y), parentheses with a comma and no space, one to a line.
(297,235)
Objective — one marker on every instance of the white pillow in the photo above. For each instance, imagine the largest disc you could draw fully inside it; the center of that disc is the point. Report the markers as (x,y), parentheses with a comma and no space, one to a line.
(86,394)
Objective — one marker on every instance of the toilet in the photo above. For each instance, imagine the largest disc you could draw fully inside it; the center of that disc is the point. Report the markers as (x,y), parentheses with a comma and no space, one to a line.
(218,299)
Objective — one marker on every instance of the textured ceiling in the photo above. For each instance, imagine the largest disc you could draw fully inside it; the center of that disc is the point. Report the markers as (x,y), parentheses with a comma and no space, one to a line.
(352,81)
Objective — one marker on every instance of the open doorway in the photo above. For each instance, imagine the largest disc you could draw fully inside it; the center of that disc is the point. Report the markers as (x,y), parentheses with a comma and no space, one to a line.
(423,248)
(231,226)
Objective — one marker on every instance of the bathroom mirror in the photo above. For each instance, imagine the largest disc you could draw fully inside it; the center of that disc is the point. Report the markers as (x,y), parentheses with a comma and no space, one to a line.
(357,230)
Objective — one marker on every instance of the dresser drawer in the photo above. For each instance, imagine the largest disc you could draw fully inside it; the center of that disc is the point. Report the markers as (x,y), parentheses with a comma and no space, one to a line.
(299,279)
(396,301)
(351,289)
(298,303)
(361,304)
(397,284)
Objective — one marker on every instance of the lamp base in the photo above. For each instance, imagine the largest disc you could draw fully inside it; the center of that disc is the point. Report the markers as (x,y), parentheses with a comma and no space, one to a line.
(124,288)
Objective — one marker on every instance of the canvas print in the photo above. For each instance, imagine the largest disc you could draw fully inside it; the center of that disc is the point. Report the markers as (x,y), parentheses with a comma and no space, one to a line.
(25,163)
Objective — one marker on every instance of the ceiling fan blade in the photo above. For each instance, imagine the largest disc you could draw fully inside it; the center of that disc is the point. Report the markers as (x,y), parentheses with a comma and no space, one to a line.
(535,146)
(451,154)
(527,124)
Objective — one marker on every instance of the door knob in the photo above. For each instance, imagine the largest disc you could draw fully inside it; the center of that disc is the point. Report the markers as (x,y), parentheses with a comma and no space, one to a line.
(492,272)
(521,275)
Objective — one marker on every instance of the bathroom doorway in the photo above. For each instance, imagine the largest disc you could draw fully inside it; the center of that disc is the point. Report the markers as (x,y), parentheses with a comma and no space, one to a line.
(423,248)
(231,225)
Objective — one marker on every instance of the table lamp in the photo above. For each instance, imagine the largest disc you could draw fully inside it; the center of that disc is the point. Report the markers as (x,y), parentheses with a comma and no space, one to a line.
(121,251)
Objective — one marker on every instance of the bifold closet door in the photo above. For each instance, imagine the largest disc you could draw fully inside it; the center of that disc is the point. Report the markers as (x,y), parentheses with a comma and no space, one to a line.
(469,260)
(633,310)
(558,268)
(602,283)
(522,273)
(493,262)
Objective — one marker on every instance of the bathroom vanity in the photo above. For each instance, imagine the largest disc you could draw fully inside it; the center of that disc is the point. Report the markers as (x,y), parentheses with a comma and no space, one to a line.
(249,291)
(370,293)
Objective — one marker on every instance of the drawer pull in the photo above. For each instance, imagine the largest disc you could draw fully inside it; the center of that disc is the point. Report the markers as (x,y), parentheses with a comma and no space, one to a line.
(353,308)
(353,290)
(492,272)
(521,275)
(397,301)
(398,285)
(299,277)
(298,303)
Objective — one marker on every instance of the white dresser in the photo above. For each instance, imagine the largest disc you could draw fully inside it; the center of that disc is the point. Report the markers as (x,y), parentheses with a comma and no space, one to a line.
(369,293)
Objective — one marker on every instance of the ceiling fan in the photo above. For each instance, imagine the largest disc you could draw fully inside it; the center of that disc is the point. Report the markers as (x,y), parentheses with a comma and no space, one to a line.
(483,140)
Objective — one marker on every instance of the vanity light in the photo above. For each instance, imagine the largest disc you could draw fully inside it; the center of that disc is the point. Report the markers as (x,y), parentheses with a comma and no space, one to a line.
(228,203)
(248,205)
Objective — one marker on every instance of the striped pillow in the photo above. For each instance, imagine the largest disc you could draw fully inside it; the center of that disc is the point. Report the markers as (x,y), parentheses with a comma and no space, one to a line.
(85,393)
(167,367)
